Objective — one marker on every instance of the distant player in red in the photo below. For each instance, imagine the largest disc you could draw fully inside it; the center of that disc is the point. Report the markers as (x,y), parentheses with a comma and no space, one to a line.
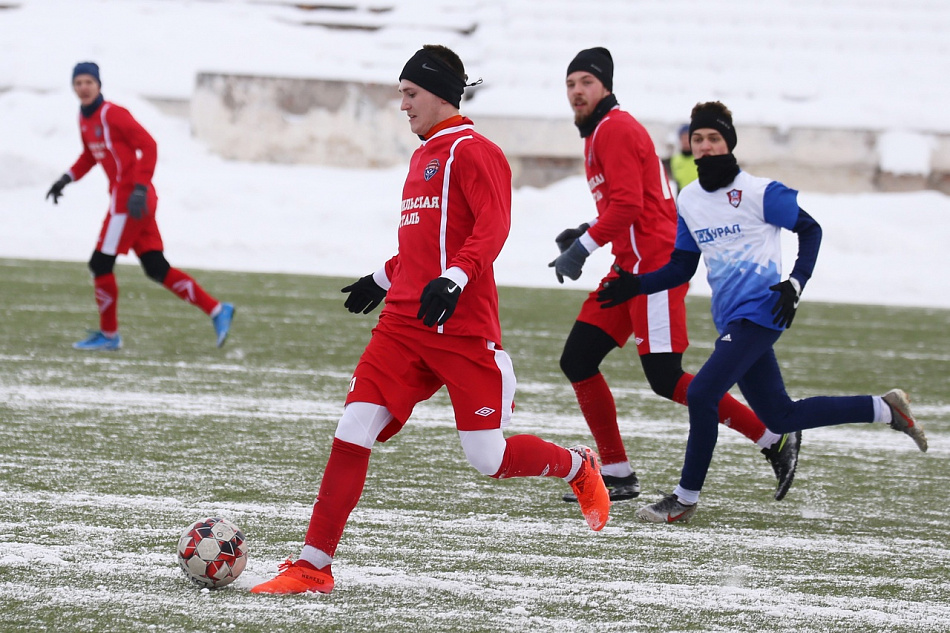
(127,153)
(636,215)
(439,327)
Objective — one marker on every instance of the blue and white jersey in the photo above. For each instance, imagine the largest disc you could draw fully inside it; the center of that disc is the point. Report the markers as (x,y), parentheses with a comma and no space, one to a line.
(738,231)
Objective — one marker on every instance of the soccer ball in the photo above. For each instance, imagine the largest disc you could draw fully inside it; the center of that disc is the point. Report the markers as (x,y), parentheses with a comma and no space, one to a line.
(212,552)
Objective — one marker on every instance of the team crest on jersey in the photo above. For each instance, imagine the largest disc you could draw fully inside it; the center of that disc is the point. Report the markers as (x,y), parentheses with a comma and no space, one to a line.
(735,197)
(98,131)
(431,169)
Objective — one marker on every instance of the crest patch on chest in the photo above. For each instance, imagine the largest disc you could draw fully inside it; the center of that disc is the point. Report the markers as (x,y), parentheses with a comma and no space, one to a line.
(431,169)
(735,197)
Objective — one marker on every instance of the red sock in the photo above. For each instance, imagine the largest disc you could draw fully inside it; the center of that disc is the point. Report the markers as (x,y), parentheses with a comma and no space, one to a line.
(530,456)
(340,490)
(732,413)
(598,408)
(188,289)
(107,294)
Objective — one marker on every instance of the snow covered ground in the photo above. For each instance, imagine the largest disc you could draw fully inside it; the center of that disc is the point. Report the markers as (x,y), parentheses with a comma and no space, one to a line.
(876,65)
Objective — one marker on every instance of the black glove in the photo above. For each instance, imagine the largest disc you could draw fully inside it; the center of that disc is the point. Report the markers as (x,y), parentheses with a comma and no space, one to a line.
(570,262)
(619,290)
(57,189)
(787,303)
(136,203)
(438,301)
(566,237)
(365,295)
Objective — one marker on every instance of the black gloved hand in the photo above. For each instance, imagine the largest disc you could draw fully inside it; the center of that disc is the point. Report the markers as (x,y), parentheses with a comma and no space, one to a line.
(57,189)
(570,262)
(787,303)
(566,237)
(365,295)
(619,290)
(438,301)
(136,204)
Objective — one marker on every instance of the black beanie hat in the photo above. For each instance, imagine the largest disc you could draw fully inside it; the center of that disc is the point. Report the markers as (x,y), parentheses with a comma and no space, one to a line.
(596,61)
(430,73)
(717,120)
(87,68)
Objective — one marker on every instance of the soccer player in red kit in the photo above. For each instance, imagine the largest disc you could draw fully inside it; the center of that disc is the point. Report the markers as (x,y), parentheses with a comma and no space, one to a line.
(439,326)
(636,214)
(127,153)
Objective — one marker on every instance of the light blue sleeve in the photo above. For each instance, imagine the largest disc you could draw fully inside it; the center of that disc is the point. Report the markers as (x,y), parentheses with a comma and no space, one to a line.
(684,239)
(780,205)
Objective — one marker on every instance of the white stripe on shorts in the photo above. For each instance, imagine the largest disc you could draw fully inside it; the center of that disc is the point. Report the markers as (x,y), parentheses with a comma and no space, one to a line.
(658,322)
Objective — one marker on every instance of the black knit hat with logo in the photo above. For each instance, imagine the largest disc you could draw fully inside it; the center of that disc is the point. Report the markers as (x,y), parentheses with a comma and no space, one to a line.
(430,73)
(596,61)
(716,119)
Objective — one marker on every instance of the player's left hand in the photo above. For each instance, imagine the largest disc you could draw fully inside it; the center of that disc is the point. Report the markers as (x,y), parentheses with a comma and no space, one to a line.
(566,237)
(438,301)
(571,262)
(136,204)
(616,291)
(787,303)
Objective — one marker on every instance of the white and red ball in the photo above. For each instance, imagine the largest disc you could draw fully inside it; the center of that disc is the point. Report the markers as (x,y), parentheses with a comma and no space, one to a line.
(212,552)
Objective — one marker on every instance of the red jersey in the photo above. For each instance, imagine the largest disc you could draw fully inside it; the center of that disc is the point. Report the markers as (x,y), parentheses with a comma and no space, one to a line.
(455,212)
(635,207)
(127,153)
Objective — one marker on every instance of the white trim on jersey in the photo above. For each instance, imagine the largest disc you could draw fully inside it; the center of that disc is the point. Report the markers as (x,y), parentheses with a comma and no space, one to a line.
(636,250)
(444,220)
(658,323)
(107,135)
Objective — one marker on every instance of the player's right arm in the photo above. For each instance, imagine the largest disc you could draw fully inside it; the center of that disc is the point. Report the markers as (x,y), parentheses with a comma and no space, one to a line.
(83,164)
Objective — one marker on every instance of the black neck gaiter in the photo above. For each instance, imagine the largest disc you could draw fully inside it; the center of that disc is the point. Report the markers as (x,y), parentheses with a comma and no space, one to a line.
(715,172)
(89,110)
(587,126)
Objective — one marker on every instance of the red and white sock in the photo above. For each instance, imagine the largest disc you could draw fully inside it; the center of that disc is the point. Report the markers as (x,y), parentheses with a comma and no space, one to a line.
(189,290)
(107,296)
(530,456)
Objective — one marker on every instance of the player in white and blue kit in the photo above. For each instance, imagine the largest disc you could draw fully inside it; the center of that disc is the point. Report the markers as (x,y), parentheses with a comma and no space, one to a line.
(734,221)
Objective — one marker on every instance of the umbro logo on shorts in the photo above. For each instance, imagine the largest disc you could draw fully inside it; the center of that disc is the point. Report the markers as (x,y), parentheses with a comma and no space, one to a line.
(485,412)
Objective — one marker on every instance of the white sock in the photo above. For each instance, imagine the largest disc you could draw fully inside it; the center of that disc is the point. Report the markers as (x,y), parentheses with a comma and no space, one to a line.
(621,469)
(576,461)
(882,410)
(686,497)
(316,557)
(768,439)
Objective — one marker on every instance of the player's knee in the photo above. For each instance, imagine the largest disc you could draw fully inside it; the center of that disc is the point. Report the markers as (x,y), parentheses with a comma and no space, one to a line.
(155,265)
(361,423)
(700,395)
(578,368)
(101,264)
(663,372)
(484,450)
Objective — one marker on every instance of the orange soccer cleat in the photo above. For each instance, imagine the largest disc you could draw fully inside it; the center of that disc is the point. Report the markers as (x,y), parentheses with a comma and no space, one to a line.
(297,577)
(589,487)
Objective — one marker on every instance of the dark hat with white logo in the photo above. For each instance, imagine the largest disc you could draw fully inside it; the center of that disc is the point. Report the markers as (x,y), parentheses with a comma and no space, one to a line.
(596,61)
(430,73)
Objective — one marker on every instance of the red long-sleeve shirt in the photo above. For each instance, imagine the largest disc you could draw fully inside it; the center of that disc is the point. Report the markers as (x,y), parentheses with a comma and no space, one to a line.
(126,151)
(636,210)
(455,212)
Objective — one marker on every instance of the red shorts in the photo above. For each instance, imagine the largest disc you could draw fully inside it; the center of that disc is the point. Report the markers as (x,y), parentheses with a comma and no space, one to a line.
(404,365)
(121,233)
(657,321)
